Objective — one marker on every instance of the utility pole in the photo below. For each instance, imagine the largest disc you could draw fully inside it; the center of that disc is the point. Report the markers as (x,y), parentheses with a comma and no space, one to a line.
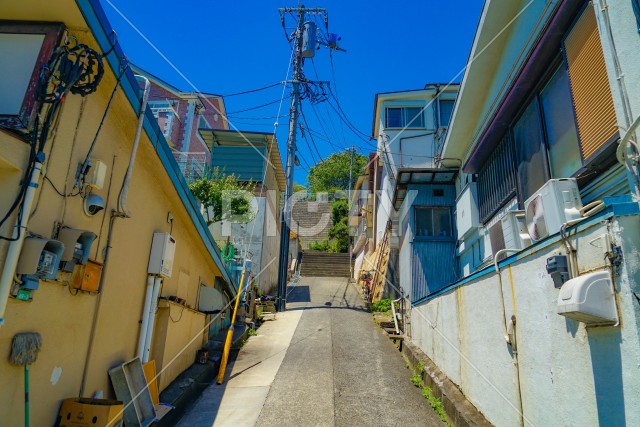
(291,151)
(352,151)
(305,44)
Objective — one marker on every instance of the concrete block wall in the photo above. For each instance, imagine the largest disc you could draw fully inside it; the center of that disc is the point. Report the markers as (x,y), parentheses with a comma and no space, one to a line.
(568,374)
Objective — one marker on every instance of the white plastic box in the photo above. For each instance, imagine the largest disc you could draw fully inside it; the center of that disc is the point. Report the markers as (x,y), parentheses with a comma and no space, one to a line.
(163,248)
(589,299)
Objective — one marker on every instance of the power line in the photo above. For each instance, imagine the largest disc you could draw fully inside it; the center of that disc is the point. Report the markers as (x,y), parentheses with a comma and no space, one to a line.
(304,119)
(315,112)
(253,90)
(257,118)
(259,106)
(345,115)
(335,132)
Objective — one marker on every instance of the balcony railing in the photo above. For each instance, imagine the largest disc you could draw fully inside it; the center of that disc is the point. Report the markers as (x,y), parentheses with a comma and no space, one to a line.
(192,165)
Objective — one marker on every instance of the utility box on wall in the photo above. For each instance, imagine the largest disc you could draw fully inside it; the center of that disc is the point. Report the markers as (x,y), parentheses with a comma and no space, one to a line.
(589,299)
(163,247)
(77,244)
(87,279)
(467,210)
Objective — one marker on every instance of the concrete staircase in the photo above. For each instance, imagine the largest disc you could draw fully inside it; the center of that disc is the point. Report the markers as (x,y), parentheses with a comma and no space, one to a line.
(323,264)
(311,221)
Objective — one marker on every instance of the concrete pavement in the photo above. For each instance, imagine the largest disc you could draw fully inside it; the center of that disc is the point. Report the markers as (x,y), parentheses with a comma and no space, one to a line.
(321,363)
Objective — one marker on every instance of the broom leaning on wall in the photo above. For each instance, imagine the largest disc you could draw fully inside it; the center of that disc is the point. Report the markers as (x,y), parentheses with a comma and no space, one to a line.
(24,351)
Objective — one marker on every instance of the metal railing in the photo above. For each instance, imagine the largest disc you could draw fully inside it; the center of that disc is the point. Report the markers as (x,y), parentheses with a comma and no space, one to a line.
(192,165)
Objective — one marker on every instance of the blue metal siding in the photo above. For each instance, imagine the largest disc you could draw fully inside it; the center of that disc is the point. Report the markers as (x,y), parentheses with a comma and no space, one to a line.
(613,182)
(433,262)
(246,163)
(424,195)
(433,267)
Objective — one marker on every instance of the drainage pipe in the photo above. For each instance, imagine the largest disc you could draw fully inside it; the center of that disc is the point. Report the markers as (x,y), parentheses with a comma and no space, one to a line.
(20,231)
(395,316)
(507,338)
(145,318)
(157,282)
(122,200)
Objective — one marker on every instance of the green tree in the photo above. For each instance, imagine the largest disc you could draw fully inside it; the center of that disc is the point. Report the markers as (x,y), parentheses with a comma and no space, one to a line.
(333,172)
(224,197)
(298,187)
(339,210)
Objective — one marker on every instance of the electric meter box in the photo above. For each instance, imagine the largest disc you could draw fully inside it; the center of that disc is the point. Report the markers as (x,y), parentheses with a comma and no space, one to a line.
(163,248)
(40,258)
(77,244)
(589,299)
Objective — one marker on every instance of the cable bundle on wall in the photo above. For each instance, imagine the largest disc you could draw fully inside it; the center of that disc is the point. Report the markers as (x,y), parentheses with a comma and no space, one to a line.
(74,68)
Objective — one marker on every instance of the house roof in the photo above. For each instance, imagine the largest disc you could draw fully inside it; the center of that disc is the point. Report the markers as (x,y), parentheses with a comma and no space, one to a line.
(506,33)
(94,16)
(218,137)
(168,86)
(413,176)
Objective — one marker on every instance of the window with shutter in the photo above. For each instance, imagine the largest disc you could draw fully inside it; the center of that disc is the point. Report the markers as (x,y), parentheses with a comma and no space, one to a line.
(590,85)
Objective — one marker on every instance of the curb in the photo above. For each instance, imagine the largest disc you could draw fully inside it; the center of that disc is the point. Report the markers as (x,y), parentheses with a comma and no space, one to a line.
(459,410)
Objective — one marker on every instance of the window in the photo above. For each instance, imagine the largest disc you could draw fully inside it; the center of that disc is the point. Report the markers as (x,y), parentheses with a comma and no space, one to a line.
(497,179)
(544,144)
(446,110)
(562,135)
(25,48)
(405,117)
(531,156)
(433,222)
(203,123)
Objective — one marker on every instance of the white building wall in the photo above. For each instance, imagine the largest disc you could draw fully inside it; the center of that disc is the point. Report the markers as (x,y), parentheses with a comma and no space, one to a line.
(621,43)
(569,375)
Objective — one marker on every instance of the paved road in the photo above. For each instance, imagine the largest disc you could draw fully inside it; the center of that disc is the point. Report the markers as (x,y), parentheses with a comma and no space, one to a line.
(339,369)
(322,363)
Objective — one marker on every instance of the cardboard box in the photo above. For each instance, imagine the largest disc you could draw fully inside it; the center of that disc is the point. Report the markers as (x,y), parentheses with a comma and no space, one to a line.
(83,412)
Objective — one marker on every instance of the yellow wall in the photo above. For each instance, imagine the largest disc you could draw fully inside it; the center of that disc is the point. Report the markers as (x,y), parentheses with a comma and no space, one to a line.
(65,320)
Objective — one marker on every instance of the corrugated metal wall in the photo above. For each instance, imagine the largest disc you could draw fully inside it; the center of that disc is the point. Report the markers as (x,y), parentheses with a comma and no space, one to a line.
(244,162)
(613,182)
(433,262)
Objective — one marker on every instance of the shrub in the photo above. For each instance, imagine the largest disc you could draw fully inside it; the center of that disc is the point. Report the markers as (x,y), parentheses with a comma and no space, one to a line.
(338,246)
(319,246)
(339,235)
(382,306)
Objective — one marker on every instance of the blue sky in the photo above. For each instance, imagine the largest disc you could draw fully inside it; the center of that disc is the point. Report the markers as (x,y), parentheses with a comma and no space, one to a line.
(225,47)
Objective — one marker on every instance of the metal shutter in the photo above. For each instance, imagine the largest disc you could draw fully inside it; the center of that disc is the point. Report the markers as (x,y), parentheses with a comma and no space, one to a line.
(590,89)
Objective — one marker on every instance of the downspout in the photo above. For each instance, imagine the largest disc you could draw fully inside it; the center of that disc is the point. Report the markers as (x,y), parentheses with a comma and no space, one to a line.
(121,212)
(153,307)
(20,230)
(96,313)
(510,336)
(122,200)
(145,318)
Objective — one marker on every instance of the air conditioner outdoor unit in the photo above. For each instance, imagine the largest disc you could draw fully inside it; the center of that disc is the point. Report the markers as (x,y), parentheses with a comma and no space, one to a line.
(557,202)
(514,230)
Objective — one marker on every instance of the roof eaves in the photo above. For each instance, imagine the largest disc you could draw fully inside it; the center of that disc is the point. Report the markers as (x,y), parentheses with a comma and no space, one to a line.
(98,23)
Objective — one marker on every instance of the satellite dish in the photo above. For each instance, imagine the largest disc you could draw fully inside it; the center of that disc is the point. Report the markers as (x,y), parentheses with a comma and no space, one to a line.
(534,216)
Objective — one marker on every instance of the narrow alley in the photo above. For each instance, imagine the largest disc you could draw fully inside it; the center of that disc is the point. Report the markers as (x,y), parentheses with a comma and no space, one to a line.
(335,368)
